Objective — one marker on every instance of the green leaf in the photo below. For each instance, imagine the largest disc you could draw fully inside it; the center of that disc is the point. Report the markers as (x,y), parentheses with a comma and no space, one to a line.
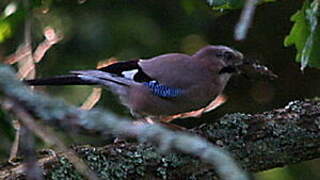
(9,22)
(230,4)
(305,34)
(5,30)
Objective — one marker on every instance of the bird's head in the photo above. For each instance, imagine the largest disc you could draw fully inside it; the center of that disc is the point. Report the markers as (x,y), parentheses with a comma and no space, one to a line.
(220,58)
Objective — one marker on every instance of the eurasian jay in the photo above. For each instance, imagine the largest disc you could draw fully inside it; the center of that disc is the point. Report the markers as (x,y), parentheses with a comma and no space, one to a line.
(164,85)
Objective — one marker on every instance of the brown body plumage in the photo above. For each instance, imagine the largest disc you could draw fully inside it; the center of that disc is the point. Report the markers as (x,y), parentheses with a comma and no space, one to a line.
(200,78)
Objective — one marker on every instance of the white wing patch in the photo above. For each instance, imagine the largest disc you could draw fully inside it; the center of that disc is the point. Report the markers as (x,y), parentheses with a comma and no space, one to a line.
(130,74)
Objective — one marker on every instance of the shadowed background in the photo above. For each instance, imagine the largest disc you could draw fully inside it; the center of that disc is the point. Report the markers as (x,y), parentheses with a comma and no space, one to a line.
(98,30)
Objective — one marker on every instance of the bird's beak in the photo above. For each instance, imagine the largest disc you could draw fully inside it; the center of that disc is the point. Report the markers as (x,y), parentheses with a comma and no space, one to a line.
(238,54)
(239,58)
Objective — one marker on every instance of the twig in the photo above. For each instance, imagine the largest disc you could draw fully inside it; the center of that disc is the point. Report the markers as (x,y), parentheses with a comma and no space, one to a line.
(26,69)
(51,38)
(26,65)
(246,17)
(92,99)
(27,145)
(25,140)
(15,145)
(18,55)
(21,168)
(95,95)
(50,138)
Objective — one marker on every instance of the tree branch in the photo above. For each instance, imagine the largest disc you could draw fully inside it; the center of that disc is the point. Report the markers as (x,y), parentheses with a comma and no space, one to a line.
(261,141)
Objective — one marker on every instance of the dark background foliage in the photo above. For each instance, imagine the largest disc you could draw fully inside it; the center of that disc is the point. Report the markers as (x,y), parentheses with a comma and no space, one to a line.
(97,30)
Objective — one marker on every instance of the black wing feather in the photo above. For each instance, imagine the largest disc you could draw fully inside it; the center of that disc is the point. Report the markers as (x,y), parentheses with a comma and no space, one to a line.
(120,67)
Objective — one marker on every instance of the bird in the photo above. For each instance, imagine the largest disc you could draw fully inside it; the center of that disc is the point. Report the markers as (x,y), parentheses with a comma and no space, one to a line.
(164,85)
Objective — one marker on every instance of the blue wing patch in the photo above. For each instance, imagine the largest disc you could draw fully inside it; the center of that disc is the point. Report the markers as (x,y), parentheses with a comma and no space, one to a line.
(162,90)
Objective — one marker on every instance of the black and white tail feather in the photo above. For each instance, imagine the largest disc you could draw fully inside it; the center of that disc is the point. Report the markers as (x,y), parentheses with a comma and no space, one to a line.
(117,77)
(122,73)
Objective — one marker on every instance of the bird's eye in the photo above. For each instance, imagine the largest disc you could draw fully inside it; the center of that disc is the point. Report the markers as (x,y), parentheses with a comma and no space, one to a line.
(225,55)
(228,55)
